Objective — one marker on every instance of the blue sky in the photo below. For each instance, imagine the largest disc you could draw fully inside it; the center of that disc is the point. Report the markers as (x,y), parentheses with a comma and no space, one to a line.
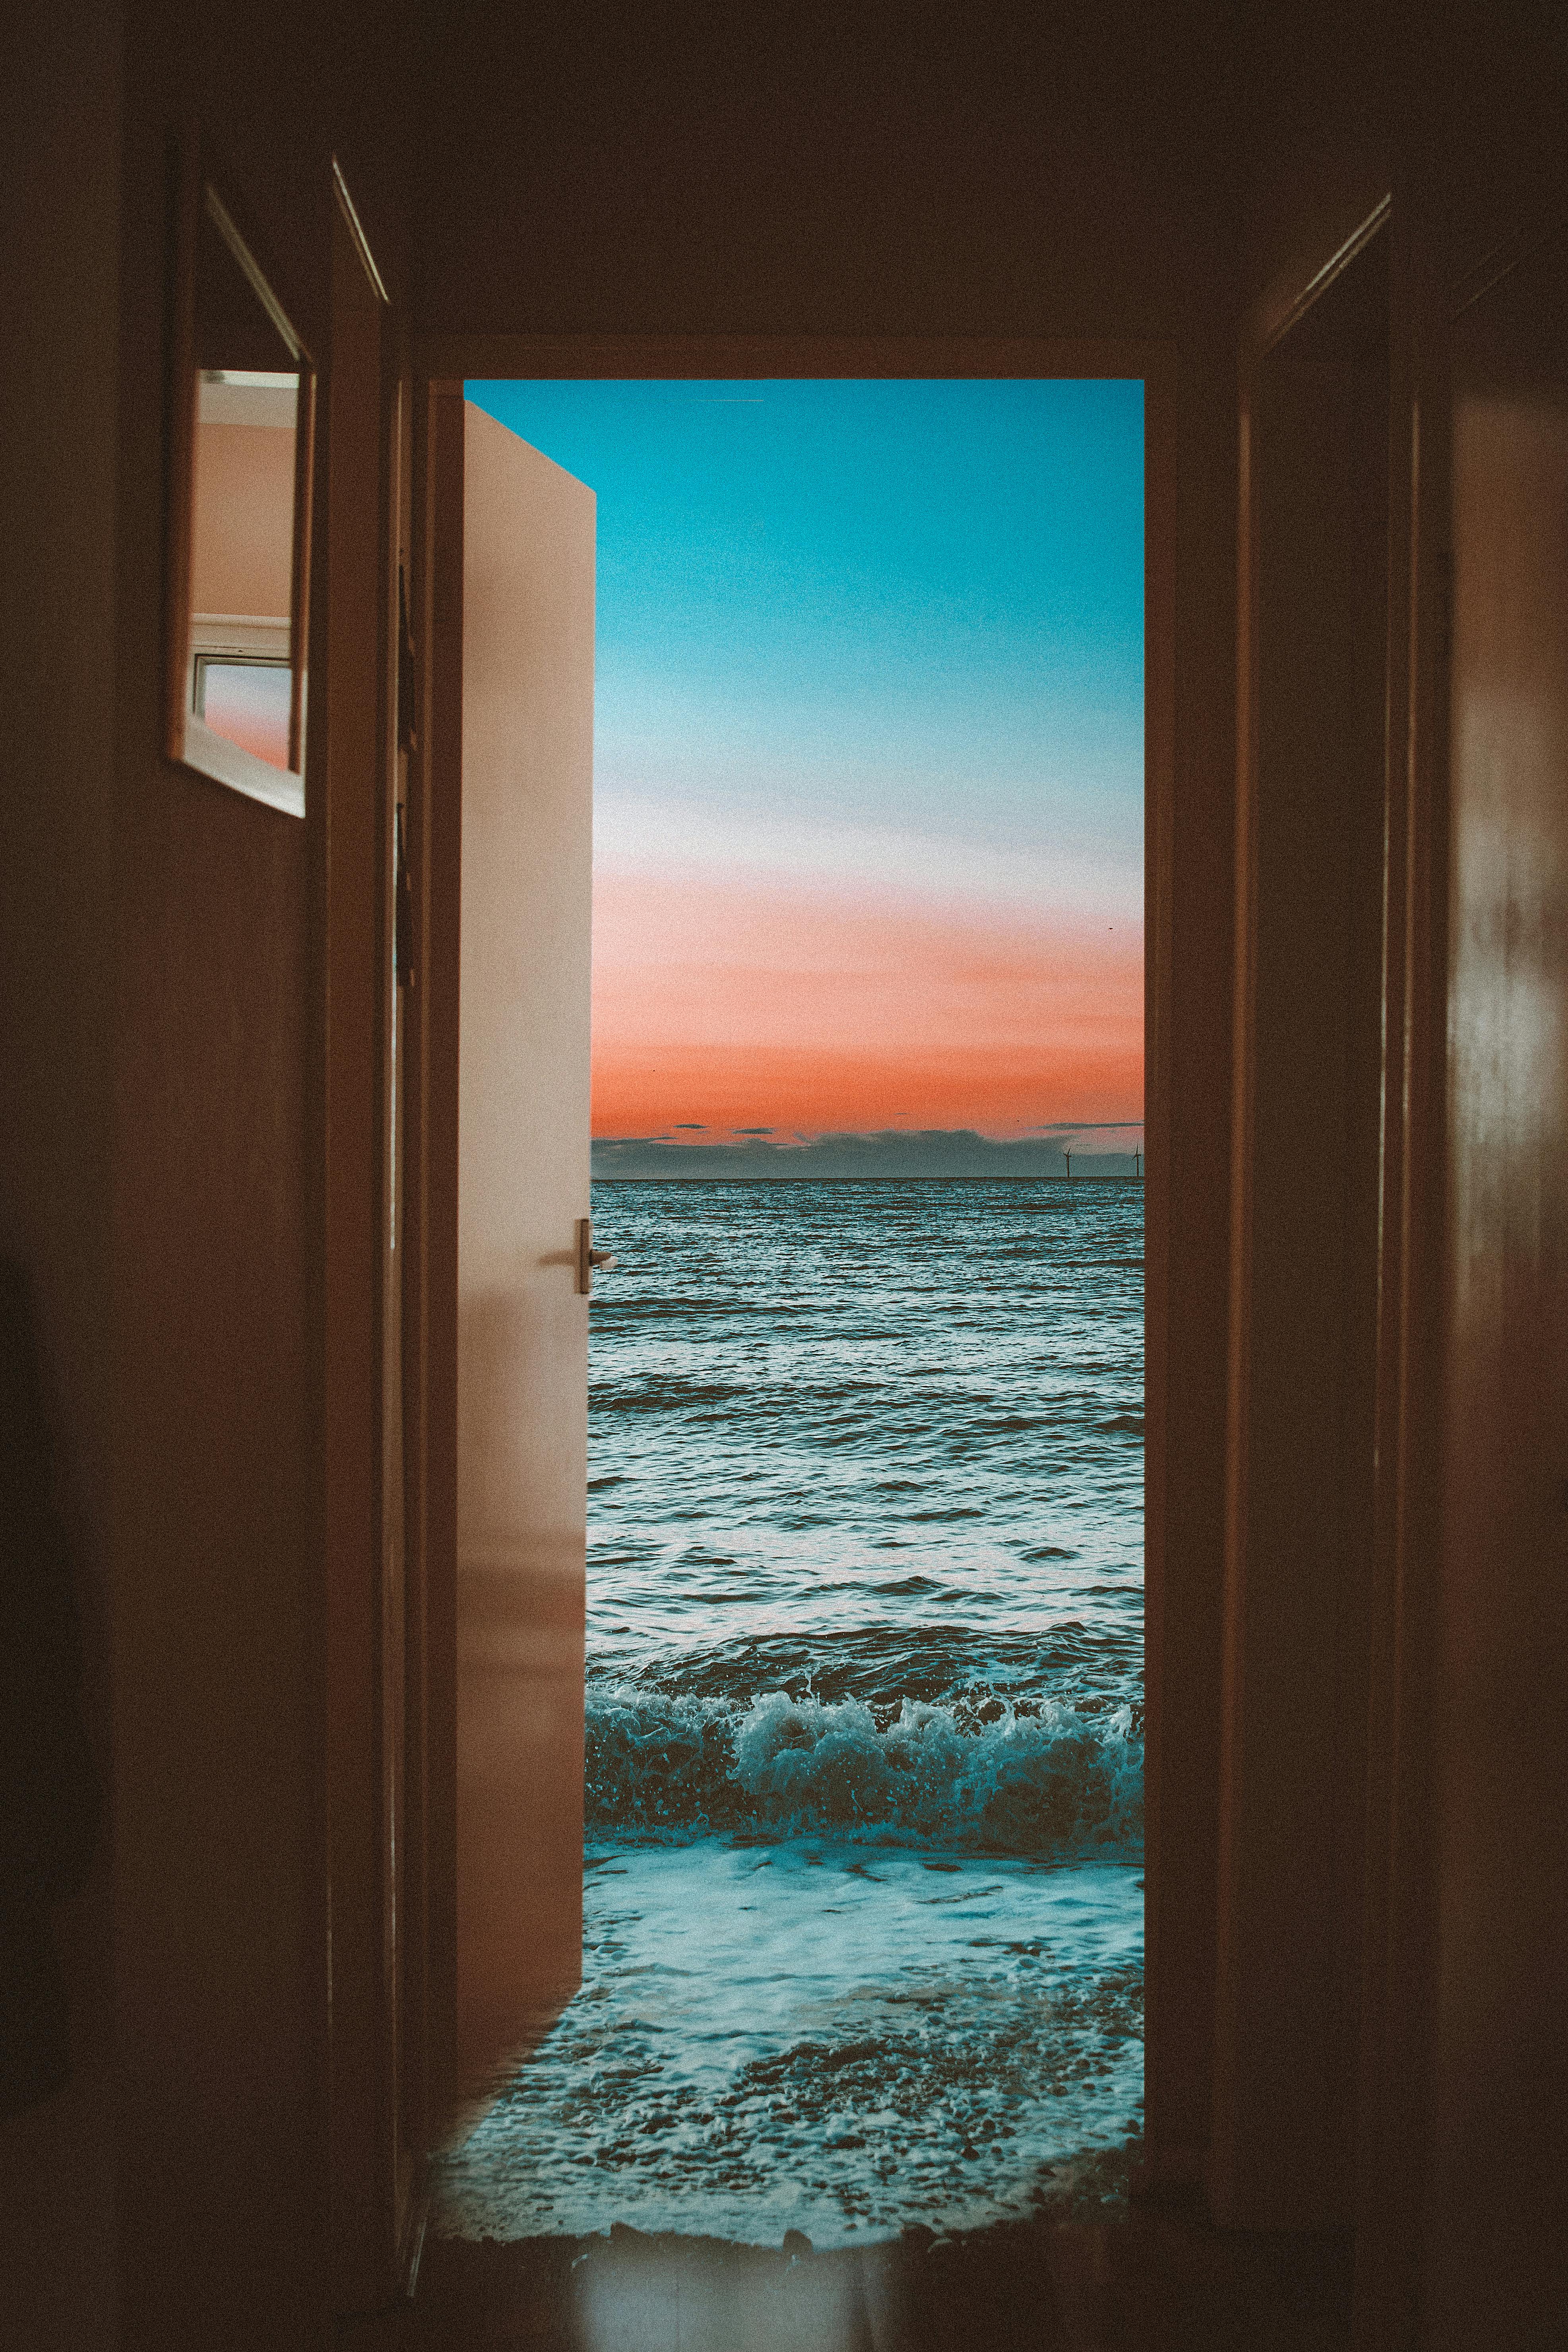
(920,603)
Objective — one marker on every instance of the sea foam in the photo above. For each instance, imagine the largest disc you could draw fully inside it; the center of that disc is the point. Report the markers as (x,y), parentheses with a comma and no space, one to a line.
(1045,1783)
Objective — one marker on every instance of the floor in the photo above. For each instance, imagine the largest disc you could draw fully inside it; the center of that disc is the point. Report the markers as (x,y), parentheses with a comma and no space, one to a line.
(1154,2279)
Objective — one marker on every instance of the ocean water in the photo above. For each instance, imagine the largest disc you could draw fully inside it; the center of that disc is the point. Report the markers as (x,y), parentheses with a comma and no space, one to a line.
(863,1906)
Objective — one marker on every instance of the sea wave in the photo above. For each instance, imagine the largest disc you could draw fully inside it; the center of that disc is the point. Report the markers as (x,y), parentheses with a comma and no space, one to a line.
(1043,1781)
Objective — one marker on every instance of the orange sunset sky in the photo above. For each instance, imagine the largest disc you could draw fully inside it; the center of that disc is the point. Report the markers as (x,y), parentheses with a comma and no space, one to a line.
(732,1004)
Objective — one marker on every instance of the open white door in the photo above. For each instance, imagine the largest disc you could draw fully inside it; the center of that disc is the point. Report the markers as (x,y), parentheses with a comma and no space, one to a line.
(522,1185)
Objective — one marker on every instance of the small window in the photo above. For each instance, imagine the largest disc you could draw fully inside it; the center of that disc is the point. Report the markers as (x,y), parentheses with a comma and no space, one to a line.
(239,549)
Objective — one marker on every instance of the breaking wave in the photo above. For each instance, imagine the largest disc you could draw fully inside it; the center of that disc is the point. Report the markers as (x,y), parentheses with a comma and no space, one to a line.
(1042,1781)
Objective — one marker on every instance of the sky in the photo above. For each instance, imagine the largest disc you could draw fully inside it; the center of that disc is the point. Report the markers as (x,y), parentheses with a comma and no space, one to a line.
(869,753)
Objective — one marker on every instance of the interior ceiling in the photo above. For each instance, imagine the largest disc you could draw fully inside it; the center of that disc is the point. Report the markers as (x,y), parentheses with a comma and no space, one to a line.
(909,166)
(826,169)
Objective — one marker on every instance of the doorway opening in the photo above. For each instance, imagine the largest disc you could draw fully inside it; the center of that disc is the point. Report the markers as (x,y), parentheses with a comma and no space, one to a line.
(863,1777)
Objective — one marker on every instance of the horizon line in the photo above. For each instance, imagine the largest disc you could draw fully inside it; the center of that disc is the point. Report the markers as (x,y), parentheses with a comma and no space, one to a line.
(780,1176)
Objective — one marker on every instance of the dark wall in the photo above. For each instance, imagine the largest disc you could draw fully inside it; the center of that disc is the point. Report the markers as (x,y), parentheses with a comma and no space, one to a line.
(160,1075)
(59,296)
(909,169)
(222,1931)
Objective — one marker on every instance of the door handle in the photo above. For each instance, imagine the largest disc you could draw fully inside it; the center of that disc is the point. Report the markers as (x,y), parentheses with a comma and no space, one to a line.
(588,1258)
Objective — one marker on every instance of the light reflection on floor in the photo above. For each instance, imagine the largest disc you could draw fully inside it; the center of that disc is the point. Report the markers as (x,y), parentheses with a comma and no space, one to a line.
(808,2307)
(1141,2277)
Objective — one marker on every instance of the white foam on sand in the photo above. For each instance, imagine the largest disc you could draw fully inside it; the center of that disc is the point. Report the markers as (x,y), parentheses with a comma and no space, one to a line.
(818,2036)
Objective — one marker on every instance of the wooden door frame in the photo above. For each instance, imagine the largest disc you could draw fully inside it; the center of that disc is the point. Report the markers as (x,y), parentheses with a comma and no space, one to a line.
(369,1651)
(1398,1945)
(1283,306)
(441,366)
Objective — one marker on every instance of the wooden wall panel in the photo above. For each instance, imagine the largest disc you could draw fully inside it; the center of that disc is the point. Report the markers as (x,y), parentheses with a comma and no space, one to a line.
(218,1564)
(1497,2256)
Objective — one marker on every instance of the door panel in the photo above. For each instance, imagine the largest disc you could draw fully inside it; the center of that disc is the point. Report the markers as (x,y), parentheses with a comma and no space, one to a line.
(522,1183)
(1502,1876)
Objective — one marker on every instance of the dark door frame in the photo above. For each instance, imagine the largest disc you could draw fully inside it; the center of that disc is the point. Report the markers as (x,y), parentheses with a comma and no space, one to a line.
(440,368)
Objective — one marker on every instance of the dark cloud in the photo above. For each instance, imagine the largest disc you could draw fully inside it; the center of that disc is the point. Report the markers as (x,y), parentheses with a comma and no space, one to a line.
(757,1131)
(690,1127)
(930,1152)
